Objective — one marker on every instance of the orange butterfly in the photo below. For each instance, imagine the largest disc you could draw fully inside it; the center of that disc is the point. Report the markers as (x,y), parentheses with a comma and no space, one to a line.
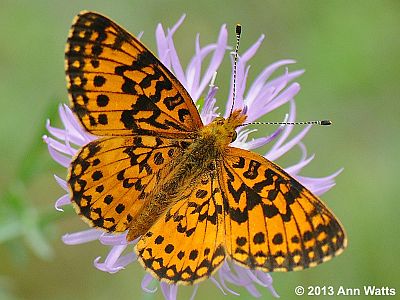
(159,173)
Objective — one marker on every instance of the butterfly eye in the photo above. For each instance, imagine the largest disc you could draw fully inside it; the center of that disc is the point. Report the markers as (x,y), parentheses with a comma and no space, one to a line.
(234,136)
(219,120)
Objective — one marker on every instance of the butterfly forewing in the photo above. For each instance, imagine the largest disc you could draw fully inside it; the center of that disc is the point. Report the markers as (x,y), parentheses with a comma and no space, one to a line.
(118,87)
(272,222)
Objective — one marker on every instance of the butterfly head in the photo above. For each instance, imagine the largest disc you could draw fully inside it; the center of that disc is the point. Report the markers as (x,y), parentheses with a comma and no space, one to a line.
(224,130)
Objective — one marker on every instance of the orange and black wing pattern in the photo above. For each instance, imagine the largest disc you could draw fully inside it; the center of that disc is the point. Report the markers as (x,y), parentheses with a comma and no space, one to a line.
(118,87)
(185,246)
(272,222)
(110,178)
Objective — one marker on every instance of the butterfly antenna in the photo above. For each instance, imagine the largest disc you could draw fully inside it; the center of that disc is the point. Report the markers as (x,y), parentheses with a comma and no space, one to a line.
(321,122)
(235,59)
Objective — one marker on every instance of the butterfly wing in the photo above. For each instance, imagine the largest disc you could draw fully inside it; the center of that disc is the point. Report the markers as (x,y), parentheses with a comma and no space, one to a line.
(118,87)
(186,244)
(272,222)
(110,177)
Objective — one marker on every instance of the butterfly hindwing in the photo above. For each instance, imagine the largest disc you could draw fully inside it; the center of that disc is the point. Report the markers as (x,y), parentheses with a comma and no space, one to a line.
(118,87)
(186,244)
(272,222)
(110,177)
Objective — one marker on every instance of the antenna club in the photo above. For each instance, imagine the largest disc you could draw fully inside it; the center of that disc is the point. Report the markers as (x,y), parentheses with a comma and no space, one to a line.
(326,122)
(238,29)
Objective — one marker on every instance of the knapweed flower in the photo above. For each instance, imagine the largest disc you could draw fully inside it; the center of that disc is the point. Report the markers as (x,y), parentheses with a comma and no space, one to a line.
(257,99)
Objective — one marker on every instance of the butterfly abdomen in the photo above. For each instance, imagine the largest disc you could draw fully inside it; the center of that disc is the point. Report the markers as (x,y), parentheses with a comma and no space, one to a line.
(197,161)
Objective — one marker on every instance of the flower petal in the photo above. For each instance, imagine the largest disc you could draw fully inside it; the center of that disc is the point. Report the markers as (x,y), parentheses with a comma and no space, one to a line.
(114,261)
(113,239)
(59,158)
(259,83)
(162,41)
(62,183)
(215,61)
(169,291)
(294,169)
(81,237)
(319,185)
(146,281)
(63,200)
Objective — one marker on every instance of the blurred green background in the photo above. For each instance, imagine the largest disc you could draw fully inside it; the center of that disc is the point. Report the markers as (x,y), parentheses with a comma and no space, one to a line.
(351,53)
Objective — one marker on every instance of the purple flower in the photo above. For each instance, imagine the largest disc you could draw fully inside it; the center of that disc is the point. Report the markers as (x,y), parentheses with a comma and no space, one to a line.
(257,98)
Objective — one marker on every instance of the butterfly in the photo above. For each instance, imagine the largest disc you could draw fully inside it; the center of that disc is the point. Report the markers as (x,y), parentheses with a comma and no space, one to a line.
(161,175)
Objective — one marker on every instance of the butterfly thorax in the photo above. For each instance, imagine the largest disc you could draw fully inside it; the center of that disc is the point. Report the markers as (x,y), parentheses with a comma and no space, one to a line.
(223,130)
(189,168)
